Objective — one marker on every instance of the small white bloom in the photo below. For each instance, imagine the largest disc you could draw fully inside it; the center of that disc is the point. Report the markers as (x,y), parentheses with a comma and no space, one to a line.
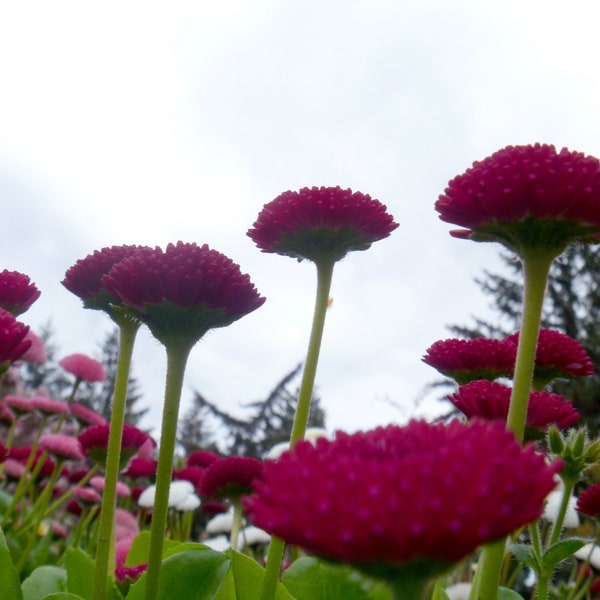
(146,498)
(277,450)
(220,524)
(188,504)
(589,552)
(219,543)
(254,535)
(179,491)
(459,591)
(552,507)
(312,435)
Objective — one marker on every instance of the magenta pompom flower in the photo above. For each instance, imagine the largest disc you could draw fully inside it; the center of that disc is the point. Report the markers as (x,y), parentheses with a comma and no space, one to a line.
(184,291)
(61,446)
(489,400)
(469,360)
(230,477)
(558,356)
(17,293)
(526,196)
(94,441)
(589,501)
(401,497)
(37,351)
(83,367)
(84,278)
(13,342)
(321,223)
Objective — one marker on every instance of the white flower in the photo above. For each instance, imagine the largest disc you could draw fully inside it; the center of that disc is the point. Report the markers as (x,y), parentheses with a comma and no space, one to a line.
(219,543)
(312,435)
(591,553)
(146,498)
(458,591)
(182,496)
(179,491)
(552,507)
(220,524)
(188,504)
(254,535)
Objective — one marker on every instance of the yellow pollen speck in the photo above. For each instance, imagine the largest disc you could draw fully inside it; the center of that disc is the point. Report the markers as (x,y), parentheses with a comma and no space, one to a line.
(329,302)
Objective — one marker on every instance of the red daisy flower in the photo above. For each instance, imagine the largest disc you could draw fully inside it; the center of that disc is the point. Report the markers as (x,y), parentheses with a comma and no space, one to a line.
(85,415)
(3,452)
(192,474)
(321,223)
(230,477)
(94,441)
(17,293)
(201,458)
(490,400)
(84,278)
(83,367)
(139,467)
(49,407)
(342,499)
(526,196)
(589,501)
(558,356)
(184,291)
(7,416)
(13,342)
(37,351)
(468,360)
(19,404)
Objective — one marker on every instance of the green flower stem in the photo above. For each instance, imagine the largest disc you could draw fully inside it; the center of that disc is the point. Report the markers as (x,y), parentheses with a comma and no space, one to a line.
(105,553)
(237,524)
(562,511)
(536,265)
(177,355)
(67,495)
(324,277)
(535,272)
(408,589)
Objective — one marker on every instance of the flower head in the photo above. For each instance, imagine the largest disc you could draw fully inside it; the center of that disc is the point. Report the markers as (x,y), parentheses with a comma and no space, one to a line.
(201,458)
(17,293)
(83,367)
(321,223)
(13,342)
(589,501)
(84,278)
(94,441)
(184,291)
(61,446)
(342,499)
(37,351)
(86,416)
(526,196)
(558,356)
(490,400)
(230,477)
(468,360)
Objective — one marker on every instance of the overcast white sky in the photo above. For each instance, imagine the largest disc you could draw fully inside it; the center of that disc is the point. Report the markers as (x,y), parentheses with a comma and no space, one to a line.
(149,122)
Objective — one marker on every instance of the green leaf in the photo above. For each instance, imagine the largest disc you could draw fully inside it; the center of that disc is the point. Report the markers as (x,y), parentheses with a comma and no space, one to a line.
(247,577)
(311,579)
(196,574)
(138,553)
(10,583)
(44,580)
(560,551)
(80,574)
(62,596)
(508,594)
(525,554)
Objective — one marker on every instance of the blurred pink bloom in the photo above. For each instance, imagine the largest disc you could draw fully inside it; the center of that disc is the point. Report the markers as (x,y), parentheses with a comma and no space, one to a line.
(201,458)
(123,490)
(83,367)
(87,496)
(19,404)
(85,415)
(61,446)
(37,351)
(49,407)
(230,477)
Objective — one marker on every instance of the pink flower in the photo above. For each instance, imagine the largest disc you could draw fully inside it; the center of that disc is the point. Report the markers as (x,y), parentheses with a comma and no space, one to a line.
(87,496)
(468,360)
(37,352)
(140,467)
(558,355)
(84,278)
(98,483)
(94,441)
(19,404)
(488,400)
(61,446)
(184,291)
(589,501)
(424,492)
(7,416)
(85,415)
(49,407)
(3,452)
(13,342)
(83,367)
(230,477)
(525,196)
(17,293)
(201,458)
(192,474)
(316,223)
